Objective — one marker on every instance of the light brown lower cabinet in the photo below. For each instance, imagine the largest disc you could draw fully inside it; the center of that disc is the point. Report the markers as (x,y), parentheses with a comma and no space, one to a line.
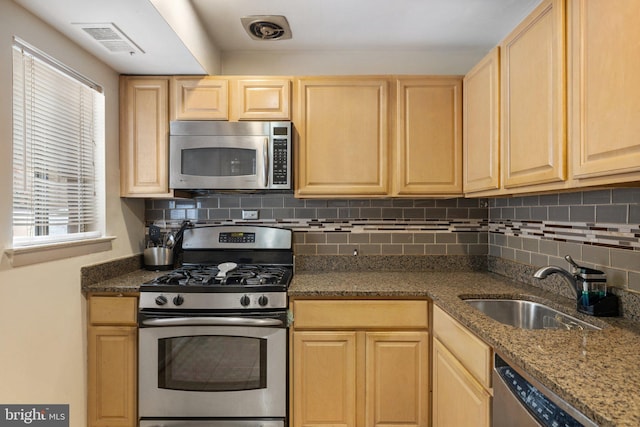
(112,361)
(348,372)
(461,375)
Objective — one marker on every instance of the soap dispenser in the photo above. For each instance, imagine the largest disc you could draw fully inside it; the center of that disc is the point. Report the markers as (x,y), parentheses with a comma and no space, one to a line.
(594,298)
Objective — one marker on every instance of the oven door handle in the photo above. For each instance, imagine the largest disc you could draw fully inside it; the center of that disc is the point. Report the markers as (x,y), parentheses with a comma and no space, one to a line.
(212,321)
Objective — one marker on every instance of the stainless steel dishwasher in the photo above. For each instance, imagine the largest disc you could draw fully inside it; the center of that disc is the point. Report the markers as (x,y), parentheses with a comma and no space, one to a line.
(519,400)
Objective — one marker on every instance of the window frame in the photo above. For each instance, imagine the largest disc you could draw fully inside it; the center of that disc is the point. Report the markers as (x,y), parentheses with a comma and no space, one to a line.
(68,243)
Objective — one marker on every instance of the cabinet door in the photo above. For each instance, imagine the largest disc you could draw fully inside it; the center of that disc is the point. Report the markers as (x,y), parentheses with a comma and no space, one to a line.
(144,136)
(199,98)
(481,125)
(112,375)
(458,399)
(429,137)
(604,87)
(324,379)
(263,99)
(343,137)
(533,100)
(397,379)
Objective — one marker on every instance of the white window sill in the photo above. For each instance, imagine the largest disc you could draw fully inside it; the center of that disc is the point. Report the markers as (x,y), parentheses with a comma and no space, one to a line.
(28,255)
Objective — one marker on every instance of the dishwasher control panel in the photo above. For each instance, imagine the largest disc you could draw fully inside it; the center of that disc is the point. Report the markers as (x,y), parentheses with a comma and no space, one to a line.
(543,409)
(521,400)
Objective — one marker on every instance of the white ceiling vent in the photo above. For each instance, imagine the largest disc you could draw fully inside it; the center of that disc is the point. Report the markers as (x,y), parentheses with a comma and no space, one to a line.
(110,37)
(267,27)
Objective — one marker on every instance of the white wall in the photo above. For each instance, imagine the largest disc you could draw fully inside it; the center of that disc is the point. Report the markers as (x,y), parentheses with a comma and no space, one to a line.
(42,316)
(299,63)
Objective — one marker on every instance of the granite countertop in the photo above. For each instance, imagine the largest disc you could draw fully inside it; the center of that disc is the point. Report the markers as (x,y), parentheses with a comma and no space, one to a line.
(125,283)
(595,371)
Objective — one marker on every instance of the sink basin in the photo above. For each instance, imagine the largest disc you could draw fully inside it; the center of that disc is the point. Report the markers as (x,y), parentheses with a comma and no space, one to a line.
(527,314)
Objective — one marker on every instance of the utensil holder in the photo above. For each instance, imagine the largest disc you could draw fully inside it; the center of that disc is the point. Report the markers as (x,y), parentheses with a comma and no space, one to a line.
(158,259)
(605,306)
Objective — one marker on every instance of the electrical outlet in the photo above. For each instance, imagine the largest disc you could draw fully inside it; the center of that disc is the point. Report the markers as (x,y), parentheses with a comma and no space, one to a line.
(249,214)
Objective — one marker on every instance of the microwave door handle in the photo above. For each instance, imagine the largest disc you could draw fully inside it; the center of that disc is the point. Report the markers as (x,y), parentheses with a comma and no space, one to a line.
(265,158)
(211,321)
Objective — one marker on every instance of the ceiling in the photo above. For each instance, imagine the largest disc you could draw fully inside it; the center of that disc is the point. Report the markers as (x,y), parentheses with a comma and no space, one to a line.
(193,36)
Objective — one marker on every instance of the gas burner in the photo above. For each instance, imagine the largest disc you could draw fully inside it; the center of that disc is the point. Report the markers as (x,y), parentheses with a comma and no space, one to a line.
(243,275)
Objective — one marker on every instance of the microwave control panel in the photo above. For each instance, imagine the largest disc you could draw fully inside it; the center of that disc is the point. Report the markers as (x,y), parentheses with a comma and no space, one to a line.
(280,161)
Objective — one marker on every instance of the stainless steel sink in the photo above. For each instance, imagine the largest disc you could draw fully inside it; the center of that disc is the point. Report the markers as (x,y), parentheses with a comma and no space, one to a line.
(528,314)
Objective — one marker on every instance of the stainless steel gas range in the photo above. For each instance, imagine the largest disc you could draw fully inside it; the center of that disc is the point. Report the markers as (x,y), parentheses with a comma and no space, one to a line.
(213,338)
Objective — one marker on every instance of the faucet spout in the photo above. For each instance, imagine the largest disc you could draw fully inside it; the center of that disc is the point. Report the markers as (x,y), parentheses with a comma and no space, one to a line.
(543,272)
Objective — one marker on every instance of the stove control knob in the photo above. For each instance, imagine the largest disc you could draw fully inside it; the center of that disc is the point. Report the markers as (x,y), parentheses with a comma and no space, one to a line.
(178,300)
(161,300)
(245,300)
(263,300)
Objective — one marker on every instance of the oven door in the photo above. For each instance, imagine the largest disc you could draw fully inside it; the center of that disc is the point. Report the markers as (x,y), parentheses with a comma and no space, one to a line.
(219,162)
(212,367)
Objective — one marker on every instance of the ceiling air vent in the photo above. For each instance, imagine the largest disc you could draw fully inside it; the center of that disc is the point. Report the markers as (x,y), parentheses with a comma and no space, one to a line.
(267,27)
(110,37)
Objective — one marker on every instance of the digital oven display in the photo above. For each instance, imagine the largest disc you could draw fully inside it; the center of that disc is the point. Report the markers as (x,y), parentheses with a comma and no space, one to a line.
(237,237)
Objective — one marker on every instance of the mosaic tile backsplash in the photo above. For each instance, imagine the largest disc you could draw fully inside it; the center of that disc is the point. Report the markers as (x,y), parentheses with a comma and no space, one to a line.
(599,229)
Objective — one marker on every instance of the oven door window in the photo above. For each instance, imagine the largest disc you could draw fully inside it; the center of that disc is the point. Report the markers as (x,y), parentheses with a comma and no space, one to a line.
(219,162)
(212,363)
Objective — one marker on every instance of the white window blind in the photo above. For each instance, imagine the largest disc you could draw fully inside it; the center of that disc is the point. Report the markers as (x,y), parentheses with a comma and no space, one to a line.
(58,128)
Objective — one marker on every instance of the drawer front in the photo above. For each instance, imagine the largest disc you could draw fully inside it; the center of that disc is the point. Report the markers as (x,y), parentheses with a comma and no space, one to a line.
(472,352)
(360,314)
(106,310)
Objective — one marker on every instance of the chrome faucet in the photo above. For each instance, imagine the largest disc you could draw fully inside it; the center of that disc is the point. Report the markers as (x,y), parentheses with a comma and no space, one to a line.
(543,272)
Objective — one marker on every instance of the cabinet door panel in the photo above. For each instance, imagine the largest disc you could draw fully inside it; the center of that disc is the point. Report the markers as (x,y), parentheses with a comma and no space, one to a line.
(324,379)
(429,140)
(604,92)
(144,136)
(112,376)
(199,98)
(458,400)
(263,99)
(397,379)
(343,143)
(481,133)
(533,101)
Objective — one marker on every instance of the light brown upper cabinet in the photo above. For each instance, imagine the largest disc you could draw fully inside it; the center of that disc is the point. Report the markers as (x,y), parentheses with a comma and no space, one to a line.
(428,145)
(230,98)
(199,98)
(365,136)
(343,131)
(533,99)
(481,125)
(144,136)
(604,90)
(261,99)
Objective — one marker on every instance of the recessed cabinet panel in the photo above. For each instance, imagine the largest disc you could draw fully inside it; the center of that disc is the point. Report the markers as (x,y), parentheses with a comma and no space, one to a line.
(324,379)
(481,134)
(397,371)
(429,140)
(263,99)
(458,399)
(203,98)
(533,100)
(343,137)
(144,136)
(604,92)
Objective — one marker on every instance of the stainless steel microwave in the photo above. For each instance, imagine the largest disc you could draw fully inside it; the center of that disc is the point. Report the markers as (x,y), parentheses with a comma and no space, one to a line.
(211,155)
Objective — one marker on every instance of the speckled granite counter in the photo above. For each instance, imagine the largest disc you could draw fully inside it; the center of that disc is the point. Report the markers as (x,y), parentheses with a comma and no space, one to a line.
(126,283)
(596,371)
